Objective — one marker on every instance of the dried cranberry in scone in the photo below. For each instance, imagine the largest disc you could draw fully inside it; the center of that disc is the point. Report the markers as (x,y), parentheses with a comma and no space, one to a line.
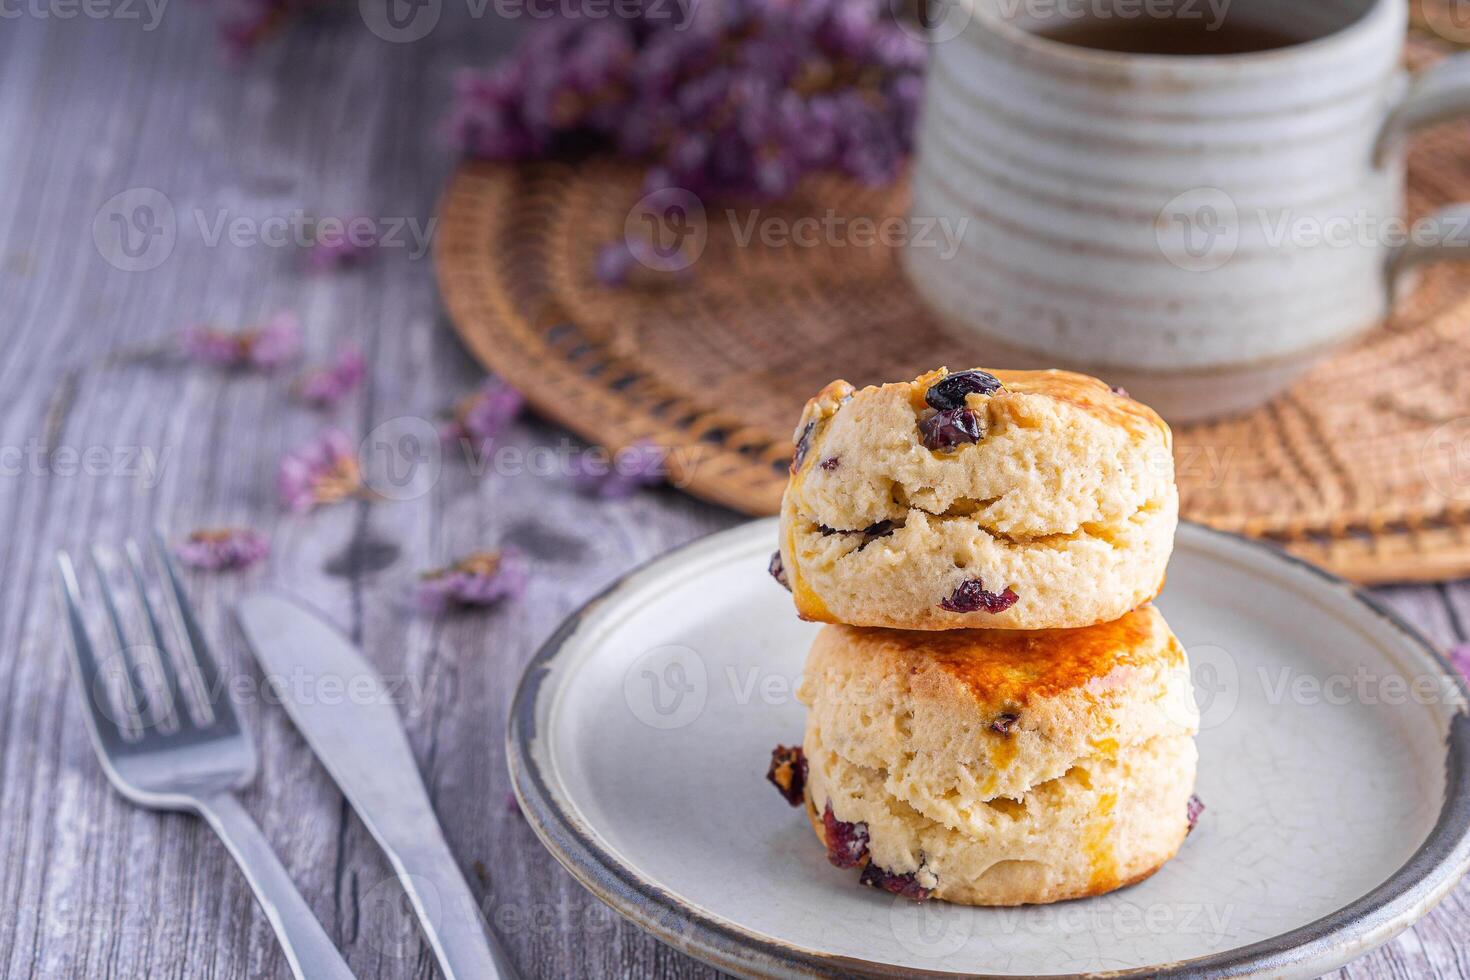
(946,430)
(847,843)
(971,596)
(904,885)
(951,390)
(1195,807)
(777,568)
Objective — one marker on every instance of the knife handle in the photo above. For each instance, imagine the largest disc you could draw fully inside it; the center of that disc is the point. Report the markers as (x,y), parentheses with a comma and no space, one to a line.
(463,942)
(309,951)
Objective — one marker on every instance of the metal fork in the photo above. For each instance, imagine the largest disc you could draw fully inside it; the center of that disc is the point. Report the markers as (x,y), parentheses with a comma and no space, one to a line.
(173,756)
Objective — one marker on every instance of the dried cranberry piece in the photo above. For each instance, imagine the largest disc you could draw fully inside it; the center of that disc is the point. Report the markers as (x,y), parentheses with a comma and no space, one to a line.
(1004,723)
(803,445)
(950,391)
(788,773)
(1195,807)
(847,843)
(971,596)
(945,430)
(830,463)
(1120,391)
(777,568)
(905,885)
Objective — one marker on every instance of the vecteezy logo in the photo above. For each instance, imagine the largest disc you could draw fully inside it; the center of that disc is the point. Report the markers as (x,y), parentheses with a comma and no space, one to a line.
(135,230)
(1445,459)
(666,230)
(1216,682)
(667,687)
(1198,230)
(929,929)
(1450,19)
(401,459)
(400,21)
(388,912)
(934,21)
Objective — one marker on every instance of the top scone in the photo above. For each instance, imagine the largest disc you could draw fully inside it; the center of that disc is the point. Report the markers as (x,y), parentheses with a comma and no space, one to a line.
(1009,500)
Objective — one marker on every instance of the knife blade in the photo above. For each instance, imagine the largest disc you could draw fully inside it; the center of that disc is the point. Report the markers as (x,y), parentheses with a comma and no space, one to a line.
(358,736)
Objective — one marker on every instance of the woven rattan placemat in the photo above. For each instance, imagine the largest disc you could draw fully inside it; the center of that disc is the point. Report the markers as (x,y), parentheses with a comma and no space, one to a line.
(1363,467)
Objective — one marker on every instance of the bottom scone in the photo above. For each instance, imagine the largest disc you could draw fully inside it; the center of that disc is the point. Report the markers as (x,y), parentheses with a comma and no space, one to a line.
(1103,824)
(997,767)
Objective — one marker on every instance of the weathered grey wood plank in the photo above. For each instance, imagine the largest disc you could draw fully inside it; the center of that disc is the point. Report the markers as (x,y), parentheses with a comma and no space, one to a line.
(331,119)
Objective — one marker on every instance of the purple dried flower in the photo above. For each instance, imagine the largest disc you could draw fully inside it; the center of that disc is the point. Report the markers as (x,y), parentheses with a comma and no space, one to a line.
(1460,658)
(614,263)
(323,471)
(264,347)
(341,242)
(249,22)
(620,475)
(971,596)
(739,98)
(219,549)
(325,387)
(481,579)
(481,417)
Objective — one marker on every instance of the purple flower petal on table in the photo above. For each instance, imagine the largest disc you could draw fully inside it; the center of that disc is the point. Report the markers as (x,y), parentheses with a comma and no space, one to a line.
(484,578)
(263,347)
(274,342)
(615,476)
(483,416)
(206,345)
(613,264)
(323,471)
(341,242)
(222,548)
(327,386)
(1460,658)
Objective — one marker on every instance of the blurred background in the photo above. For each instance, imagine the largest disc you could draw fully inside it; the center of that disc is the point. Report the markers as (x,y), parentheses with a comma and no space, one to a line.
(442,314)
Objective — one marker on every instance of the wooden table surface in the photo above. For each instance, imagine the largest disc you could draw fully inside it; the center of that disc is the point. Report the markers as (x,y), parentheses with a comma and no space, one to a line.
(102,436)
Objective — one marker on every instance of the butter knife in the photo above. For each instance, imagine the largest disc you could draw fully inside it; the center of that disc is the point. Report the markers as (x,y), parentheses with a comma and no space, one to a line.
(359,738)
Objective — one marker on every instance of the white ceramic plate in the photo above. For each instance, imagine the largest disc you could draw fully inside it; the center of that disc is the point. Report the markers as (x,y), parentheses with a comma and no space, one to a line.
(1334,765)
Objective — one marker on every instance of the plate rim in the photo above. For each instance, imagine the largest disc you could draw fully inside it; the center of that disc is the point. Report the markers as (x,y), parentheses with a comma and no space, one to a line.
(1408,894)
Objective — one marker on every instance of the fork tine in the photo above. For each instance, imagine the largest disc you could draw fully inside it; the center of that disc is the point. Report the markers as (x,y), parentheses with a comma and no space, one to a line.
(89,674)
(203,670)
(176,707)
(134,691)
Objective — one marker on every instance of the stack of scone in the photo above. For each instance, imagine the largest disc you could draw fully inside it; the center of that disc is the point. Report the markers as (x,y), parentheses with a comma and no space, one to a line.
(997,714)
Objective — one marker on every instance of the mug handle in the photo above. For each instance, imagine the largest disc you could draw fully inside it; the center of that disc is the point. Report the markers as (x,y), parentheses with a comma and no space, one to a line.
(1437,94)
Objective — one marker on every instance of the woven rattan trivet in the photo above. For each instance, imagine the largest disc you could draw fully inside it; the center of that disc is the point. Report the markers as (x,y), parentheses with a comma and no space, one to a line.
(1363,467)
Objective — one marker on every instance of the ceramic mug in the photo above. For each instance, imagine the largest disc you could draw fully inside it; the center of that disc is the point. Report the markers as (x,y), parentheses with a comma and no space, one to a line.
(1199,229)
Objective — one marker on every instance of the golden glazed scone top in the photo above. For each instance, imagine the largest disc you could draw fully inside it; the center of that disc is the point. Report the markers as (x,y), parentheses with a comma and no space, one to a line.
(1009,669)
(1080,391)
(958,717)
